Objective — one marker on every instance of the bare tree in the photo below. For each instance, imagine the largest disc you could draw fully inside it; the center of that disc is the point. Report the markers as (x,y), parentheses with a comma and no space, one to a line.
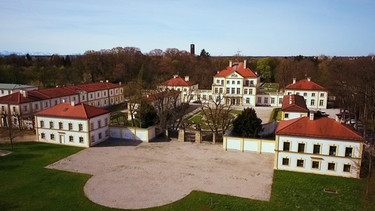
(217,116)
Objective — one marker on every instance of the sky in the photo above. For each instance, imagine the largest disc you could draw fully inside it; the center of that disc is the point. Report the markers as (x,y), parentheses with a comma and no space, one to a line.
(222,28)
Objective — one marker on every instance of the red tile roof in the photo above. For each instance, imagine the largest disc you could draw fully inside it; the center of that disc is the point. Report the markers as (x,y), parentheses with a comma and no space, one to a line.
(93,86)
(67,110)
(323,127)
(177,81)
(294,103)
(239,68)
(15,99)
(305,84)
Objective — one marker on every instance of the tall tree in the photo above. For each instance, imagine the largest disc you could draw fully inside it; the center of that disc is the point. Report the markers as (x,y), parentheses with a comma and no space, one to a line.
(247,124)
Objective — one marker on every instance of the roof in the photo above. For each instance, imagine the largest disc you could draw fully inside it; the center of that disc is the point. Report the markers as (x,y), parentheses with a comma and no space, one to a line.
(161,95)
(16,86)
(294,103)
(69,110)
(305,84)
(323,127)
(239,68)
(56,92)
(177,81)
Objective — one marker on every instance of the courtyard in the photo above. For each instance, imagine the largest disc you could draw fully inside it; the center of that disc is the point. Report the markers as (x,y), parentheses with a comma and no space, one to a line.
(136,175)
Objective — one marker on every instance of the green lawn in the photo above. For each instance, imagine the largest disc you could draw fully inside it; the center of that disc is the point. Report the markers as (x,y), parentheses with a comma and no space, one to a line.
(26,185)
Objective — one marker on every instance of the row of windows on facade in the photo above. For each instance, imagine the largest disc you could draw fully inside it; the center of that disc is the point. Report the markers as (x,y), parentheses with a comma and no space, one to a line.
(70,125)
(272,100)
(247,82)
(305,94)
(71,138)
(233,91)
(316,165)
(317,148)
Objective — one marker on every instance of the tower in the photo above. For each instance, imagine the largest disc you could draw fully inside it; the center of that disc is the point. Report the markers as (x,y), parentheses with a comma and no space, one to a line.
(192,49)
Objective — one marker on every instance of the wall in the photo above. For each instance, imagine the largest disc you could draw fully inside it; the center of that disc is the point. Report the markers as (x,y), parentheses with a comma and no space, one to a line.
(248,144)
(142,134)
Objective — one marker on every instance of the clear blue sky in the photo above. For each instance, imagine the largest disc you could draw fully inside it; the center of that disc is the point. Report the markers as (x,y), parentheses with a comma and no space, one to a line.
(269,27)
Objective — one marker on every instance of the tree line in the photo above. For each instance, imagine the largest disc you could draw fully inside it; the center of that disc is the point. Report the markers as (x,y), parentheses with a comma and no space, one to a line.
(349,79)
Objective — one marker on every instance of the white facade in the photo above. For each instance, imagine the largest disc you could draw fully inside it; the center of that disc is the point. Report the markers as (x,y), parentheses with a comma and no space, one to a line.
(269,99)
(287,115)
(314,99)
(74,132)
(320,156)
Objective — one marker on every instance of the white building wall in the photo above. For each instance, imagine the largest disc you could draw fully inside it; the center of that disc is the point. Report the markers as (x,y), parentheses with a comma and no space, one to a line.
(323,157)
(292,115)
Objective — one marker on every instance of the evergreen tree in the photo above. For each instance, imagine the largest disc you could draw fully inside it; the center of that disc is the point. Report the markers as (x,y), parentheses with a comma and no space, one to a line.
(247,124)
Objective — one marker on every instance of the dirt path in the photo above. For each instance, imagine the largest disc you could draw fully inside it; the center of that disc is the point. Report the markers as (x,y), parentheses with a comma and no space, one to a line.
(154,174)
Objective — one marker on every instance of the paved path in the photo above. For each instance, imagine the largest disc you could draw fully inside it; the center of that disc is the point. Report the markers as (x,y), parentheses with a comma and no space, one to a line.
(155,174)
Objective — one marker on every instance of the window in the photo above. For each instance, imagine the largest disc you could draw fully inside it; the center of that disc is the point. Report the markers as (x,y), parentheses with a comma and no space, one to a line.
(316,149)
(280,100)
(286,115)
(259,100)
(272,100)
(2,108)
(56,102)
(321,102)
(99,123)
(251,82)
(233,82)
(245,91)
(93,138)
(312,94)
(222,82)
(321,94)
(70,125)
(228,82)
(233,91)
(71,138)
(332,150)
(301,147)
(80,127)
(299,163)
(106,133)
(315,164)
(216,90)
(250,91)
(228,91)
(60,125)
(305,94)
(297,93)
(346,168)
(286,146)
(238,82)
(221,90)
(247,100)
(312,102)
(289,93)
(42,123)
(81,140)
(217,81)
(266,100)
(238,91)
(52,136)
(331,166)
(285,161)
(51,124)
(25,108)
(348,152)
(43,135)
(92,126)
(100,136)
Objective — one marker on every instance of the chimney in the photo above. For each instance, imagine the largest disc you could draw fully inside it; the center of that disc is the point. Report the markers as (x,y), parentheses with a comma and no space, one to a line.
(186,78)
(63,100)
(101,81)
(119,83)
(72,103)
(24,93)
(308,78)
(175,76)
(294,80)
(230,63)
(244,64)
(311,115)
(106,81)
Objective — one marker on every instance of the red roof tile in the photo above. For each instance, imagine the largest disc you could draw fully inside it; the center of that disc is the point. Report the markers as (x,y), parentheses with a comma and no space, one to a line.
(239,68)
(177,81)
(15,99)
(294,103)
(67,110)
(305,84)
(93,86)
(323,127)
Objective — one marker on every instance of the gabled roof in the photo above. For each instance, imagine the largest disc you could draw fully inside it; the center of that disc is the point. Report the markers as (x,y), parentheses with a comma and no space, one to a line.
(305,84)
(93,86)
(69,110)
(323,127)
(294,103)
(177,81)
(15,99)
(239,68)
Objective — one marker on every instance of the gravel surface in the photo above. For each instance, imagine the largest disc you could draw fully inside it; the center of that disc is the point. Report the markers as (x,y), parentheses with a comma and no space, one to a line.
(142,175)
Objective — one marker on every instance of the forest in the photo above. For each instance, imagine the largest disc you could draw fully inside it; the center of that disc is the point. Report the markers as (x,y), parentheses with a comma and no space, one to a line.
(349,79)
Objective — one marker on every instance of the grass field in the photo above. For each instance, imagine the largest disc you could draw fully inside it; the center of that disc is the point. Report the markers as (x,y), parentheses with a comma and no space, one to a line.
(26,185)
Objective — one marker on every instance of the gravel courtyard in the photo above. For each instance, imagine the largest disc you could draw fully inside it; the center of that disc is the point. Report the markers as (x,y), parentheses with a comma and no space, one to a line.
(142,175)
